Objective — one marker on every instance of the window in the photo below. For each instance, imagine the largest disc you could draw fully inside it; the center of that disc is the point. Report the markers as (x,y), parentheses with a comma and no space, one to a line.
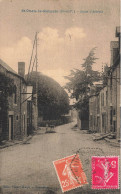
(15,95)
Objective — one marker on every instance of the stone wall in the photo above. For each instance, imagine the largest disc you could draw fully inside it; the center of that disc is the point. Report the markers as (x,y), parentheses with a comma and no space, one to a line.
(17,109)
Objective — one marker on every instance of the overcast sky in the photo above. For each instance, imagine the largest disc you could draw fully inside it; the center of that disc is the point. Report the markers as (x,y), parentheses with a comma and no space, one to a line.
(64,38)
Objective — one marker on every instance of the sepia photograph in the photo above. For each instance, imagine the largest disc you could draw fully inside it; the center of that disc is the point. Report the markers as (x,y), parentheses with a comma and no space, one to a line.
(60,96)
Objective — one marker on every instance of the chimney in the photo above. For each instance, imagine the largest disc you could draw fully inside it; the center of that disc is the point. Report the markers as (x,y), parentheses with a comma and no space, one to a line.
(21,69)
(114,45)
(118,34)
(117,31)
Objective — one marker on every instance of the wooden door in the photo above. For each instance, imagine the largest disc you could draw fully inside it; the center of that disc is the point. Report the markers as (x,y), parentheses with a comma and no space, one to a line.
(10,127)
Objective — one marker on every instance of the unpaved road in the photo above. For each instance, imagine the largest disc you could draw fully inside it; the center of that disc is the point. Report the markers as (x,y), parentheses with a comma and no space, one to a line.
(28,168)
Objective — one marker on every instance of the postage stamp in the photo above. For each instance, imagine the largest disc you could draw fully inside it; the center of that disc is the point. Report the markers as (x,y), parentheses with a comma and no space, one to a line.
(105,172)
(70,173)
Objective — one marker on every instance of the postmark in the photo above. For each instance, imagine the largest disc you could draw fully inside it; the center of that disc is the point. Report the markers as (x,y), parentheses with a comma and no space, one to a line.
(70,172)
(105,172)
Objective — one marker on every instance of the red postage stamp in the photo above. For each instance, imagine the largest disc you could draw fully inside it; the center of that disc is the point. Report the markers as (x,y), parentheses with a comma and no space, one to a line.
(105,172)
(70,173)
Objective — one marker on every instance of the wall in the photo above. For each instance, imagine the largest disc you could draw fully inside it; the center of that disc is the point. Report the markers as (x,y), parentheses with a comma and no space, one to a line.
(114,101)
(19,108)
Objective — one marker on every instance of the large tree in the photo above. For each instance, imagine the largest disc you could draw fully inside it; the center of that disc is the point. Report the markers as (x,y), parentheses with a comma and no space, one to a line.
(80,80)
(53,101)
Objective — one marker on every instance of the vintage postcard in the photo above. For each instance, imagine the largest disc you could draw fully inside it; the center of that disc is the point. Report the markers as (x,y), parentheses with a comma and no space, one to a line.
(60,96)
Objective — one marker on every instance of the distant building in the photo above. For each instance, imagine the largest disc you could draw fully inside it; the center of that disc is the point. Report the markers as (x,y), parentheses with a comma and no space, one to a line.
(83,118)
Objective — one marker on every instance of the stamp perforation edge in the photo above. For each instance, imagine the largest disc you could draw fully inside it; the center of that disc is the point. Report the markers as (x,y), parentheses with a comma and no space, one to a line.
(59,178)
(111,156)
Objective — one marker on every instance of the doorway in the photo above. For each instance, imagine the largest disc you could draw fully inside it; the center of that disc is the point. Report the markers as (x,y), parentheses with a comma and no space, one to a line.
(10,127)
(24,124)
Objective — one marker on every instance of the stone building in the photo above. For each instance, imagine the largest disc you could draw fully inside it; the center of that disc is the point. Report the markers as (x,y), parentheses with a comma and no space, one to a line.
(114,87)
(104,106)
(16,119)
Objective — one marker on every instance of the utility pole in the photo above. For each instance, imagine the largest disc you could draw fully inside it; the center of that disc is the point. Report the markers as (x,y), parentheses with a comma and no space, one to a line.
(20,111)
(36,65)
(36,101)
(34,58)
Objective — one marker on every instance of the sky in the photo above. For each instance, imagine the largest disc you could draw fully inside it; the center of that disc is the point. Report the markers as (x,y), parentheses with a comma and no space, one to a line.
(67,31)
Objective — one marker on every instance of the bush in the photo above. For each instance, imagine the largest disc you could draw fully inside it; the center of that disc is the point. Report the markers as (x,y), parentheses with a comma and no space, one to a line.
(66,119)
(63,120)
(50,122)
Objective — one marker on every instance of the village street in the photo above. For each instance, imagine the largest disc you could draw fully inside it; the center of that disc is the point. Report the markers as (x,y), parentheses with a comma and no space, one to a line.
(28,168)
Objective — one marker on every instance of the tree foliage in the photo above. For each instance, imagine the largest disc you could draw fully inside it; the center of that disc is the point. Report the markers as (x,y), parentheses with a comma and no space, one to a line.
(53,101)
(80,80)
